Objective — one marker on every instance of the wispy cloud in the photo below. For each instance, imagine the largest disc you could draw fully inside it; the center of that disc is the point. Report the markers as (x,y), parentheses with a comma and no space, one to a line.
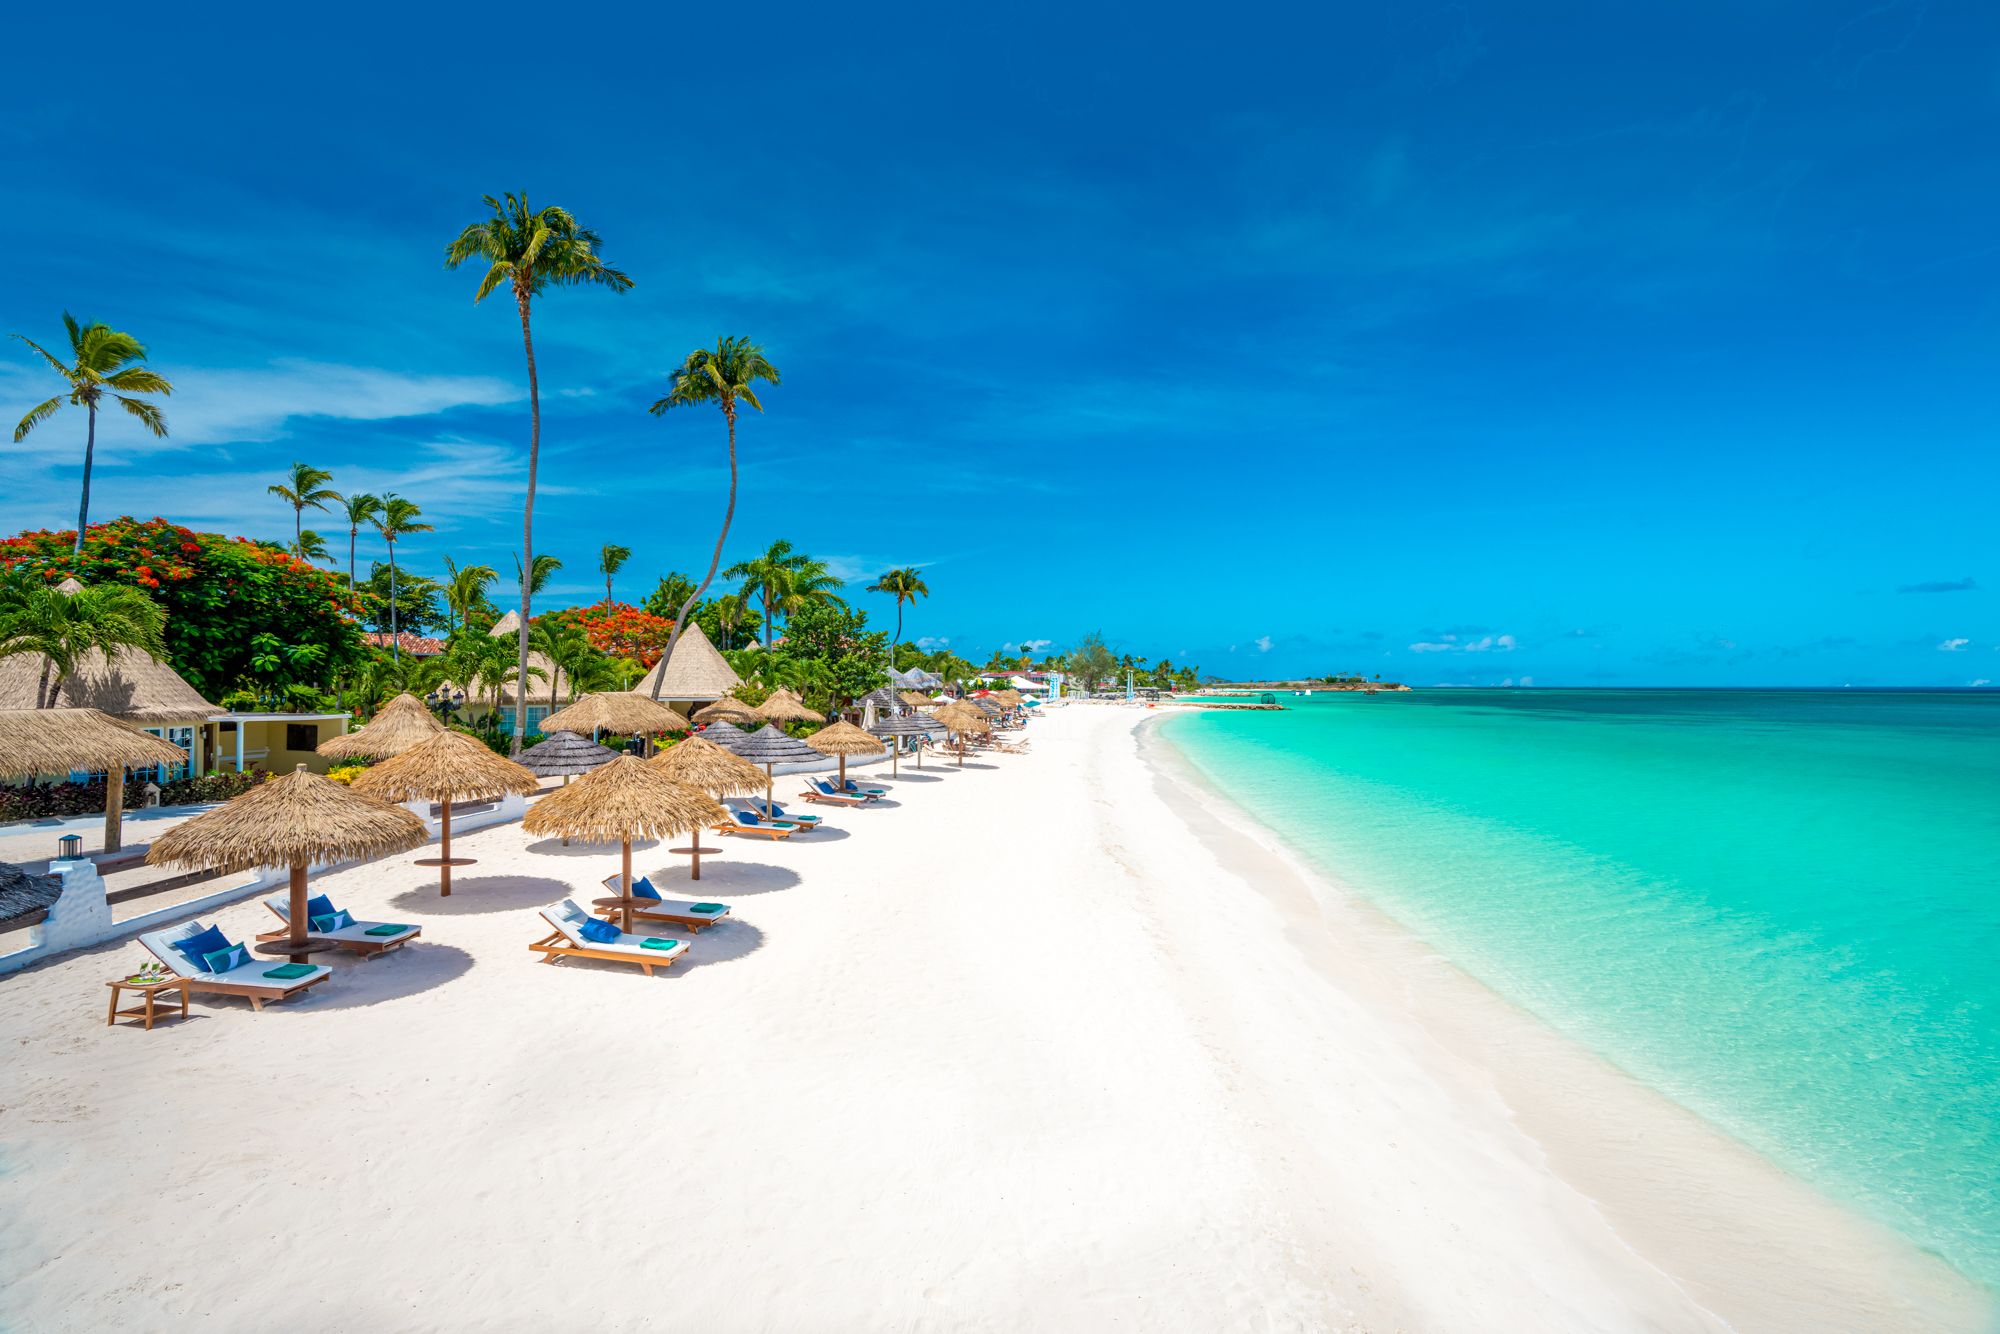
(1941,586)
(1954,645)
(1453,643)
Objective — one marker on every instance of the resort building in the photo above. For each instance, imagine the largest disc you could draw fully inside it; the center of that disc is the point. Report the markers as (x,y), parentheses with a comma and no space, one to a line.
(407,644)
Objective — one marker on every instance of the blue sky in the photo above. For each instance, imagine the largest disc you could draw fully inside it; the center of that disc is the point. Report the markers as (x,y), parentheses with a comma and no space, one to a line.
(1460,343)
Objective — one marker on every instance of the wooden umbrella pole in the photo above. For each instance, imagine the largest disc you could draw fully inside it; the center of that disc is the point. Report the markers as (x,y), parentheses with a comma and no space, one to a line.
(770,782)
(444,847)
(696,874)
(298,910)
(114,807)
(628,884)
(843,773)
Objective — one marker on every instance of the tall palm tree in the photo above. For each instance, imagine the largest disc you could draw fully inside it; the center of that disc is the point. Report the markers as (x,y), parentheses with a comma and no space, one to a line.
(465,589)
(729,612)
(360,508)
(398,517)
(545,569)
(609,562)
(724,377)
(310,546)
(784,580)
(104,361)
(905,584)
(568,650)
(63,627)
(306,488)
(809,583)
(531,250)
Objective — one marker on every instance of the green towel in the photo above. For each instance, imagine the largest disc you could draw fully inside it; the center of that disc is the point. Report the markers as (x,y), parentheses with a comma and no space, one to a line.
(386,929)
(710,907)
(655,943)
(289,971)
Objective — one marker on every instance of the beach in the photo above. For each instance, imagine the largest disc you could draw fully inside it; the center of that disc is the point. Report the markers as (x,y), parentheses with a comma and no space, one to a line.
(1057,1041)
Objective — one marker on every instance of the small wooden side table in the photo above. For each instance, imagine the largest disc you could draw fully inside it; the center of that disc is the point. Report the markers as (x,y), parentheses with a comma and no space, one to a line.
(147,1008)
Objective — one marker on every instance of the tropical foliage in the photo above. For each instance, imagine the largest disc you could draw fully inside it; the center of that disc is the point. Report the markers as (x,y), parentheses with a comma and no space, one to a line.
(304,488)
(905,585)
(60,628)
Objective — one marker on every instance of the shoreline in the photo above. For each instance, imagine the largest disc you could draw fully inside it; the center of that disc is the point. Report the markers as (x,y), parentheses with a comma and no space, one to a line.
(1756,1246)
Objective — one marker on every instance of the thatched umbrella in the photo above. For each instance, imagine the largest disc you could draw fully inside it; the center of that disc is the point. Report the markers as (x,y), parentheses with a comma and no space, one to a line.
(294,821)
(403,722)
(564,753)
(784,707)
(31,896)
(900,726)
(450,767)
(617,711)
(625,799)
(728,709)
(1009,697)
(844,739)
(962,720)
(711,768)
(916,699)
(725,735)
(768,746)
(48,743)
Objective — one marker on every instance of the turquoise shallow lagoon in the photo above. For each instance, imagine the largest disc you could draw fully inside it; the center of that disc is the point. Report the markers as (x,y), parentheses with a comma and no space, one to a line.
(1780,908)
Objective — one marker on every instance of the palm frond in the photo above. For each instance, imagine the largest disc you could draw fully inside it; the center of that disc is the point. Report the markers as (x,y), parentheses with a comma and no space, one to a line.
(60,369)
(139,380)
(155,421)
(36,416)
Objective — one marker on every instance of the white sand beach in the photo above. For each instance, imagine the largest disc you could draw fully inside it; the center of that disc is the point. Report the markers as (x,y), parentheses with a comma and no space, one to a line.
(1052,1042)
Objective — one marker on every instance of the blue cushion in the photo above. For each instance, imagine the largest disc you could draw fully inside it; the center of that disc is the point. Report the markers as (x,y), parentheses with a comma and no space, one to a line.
(332,921)
(319,905)
(747,817)
(597,932)
(197,947)
(643,889)
(226,958)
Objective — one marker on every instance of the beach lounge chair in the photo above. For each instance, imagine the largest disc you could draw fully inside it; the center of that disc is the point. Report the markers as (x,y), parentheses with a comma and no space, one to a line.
(778,813)
(681,912)
(826,794)
(854,789)
(366,939)
(749,824)
(568,941)
(248,980)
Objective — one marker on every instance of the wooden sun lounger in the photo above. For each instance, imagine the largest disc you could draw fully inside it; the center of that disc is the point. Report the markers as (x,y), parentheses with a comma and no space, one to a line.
(565,942)
(766,830)
(354,939)
(678,911)
(831,799)
(248,981)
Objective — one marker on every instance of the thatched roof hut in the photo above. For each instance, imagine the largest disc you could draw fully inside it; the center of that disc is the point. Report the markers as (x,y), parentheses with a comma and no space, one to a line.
(625,799)
(705,765)
(128,684)
(403,722)
(617,711)
(564,754)
(697,671)
(782,706)
(31,896)
(916,699)
(727,735)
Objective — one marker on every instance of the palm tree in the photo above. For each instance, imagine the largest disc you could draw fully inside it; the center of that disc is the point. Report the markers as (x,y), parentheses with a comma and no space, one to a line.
(729,612)
(305,488)
(310,546)
(103,361)
(530,250)
(465,589)
(360,508)
(568,650)
(808,583)
(63,627)
(905,584)
(784,580)
(609,561)
(724,377)
(398,516)
(545,568)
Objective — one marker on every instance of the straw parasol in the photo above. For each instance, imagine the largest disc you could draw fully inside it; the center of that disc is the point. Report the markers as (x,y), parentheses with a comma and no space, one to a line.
(844,739)
(564,753)
(1010,697)
(725,735)
(26,896)
(619,801)
(403,722)
(710,768)
(296,820)
(450,767)
(768,746)
(916,699)
(898,727)
(784,707)
(728,709)
(963,720)
(618,711)
(48,743)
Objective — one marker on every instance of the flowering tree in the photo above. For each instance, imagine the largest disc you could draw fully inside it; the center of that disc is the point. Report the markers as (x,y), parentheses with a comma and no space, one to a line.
(620,629)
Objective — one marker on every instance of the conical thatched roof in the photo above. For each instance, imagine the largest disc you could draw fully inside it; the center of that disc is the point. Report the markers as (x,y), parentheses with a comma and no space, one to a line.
(782,706)
(21,893)
(129,684)
(991,708)
(624,799)
(728,709)
(451,766)
(403,722)
(48,743)
(69,587)
(560,753)
(963,718)
(767,745)
(297,819)
(1010,697)
(618,711)
(904,725)
(844,738)
(726,735)
(697,671)
(709,767)
(510,624)
(916,699)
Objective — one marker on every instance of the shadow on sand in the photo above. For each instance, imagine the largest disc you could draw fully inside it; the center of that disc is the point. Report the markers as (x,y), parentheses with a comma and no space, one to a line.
(722,943)
(720,879)
(482,894)
(409,971)
(555,847)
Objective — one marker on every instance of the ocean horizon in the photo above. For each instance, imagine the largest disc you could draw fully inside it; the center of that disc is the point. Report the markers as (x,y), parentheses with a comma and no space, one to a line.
(1775,906)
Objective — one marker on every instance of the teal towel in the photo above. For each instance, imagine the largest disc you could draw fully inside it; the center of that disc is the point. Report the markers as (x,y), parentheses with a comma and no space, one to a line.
(654,943)
(386,929)
(289,971)
(710,907)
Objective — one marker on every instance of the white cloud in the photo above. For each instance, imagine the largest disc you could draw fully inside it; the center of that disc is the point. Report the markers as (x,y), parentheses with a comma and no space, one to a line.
(932,643)
(1263,643)
(1027,646)
(1982,681)
(1953,645)
(1527,680)
(1453,644)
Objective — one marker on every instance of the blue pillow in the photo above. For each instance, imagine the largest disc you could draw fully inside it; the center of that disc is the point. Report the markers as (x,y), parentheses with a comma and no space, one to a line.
(776,809)
(332,921)
(643,889)
(226,958)
(319,905)
(197,947)
(748,817)
(598,932)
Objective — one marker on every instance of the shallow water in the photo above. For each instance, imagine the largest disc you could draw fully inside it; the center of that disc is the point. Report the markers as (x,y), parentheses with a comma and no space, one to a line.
(1781,908)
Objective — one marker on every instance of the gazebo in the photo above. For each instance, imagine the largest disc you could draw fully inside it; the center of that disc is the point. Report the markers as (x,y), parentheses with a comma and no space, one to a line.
(403,722)
(449,767)
(49,743)
(625,799)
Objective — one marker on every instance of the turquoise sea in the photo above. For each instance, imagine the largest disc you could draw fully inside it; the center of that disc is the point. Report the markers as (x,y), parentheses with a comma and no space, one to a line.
(1780,908)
